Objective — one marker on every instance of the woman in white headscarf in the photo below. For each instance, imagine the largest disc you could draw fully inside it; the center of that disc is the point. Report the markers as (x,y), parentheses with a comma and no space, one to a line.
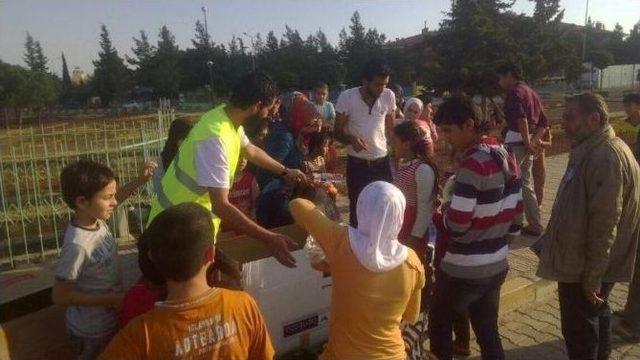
(376,279)
(413,109)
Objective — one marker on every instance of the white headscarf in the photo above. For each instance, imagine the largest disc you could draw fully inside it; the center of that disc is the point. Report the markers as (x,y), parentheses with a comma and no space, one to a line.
(410,102)
(380,213)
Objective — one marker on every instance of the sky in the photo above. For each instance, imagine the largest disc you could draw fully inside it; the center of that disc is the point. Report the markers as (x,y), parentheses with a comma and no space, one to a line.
(73,26)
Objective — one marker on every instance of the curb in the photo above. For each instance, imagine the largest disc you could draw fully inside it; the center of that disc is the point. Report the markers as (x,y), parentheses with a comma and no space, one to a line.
(521,291)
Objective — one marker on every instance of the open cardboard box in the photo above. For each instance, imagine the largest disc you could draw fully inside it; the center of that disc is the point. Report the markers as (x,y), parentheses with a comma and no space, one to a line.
(294,302)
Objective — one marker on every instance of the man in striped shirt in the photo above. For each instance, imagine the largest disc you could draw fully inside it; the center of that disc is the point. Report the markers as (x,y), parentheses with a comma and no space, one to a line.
(482,213)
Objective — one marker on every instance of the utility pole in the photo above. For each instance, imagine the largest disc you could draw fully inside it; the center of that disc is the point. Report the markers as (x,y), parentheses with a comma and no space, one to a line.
(584,48)
(206,29)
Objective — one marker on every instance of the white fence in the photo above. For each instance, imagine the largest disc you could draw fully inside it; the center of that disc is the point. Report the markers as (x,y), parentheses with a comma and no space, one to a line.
(32,213)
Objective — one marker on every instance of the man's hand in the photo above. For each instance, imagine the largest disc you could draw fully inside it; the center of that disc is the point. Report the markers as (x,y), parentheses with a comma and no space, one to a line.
(279,245)
(357,144)
(147,171)
(295,176)
(593,297)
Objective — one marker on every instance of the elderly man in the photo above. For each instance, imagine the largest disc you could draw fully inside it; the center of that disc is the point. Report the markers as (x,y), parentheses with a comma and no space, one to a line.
(591,240)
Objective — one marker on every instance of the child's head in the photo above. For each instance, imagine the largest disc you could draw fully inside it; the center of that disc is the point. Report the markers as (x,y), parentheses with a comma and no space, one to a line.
(90,188)
(459,122)
(319,144)
(410,140)
(412,109)
(178,131)
(631,103)
(147,268)
(181,242)
(320,93)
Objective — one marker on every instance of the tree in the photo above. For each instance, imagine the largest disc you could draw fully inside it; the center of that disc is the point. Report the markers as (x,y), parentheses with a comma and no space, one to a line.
(34,56)
(144,53)
(66,79)
(166,75)
(358,46)
(272,42)
(111,79)
(474,39)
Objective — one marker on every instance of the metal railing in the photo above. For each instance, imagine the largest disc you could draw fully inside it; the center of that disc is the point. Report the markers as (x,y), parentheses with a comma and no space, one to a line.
(33,216)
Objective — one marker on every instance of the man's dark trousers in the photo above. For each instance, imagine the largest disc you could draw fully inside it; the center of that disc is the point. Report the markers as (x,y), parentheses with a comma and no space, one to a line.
(361,173)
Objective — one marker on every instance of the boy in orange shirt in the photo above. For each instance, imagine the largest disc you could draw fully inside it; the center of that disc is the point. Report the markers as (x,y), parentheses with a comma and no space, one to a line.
(196,321)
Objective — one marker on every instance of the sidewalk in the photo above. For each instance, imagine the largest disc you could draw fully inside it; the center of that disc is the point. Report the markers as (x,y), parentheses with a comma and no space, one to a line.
(534,332)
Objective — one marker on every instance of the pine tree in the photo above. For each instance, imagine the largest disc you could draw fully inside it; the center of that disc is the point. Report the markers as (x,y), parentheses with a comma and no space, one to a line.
(202,40)
(166,75)
(111,77)
(66,79)
(34,56)
(144,53)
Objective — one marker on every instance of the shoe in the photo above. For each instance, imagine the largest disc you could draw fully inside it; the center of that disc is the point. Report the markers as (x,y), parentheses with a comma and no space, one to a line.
(529,231)
(625,334)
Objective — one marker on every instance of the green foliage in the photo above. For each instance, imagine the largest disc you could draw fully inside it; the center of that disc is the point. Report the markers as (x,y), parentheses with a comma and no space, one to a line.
(34,56)
(112,79)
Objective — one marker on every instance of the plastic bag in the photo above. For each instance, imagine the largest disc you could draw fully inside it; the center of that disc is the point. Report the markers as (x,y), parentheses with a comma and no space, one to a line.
(314,251)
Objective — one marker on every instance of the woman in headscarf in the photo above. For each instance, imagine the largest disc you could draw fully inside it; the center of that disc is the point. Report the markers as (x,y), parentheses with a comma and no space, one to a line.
(377,281)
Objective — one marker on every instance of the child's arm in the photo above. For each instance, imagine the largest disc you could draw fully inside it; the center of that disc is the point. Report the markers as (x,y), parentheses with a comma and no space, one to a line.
(64,293)
(145,174)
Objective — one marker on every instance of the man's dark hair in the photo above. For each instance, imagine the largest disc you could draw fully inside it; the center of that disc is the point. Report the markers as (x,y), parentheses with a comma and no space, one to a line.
(252,88)
(633,98)
(457,110)
(589,103)
(177,239)
(84,178)
(321,85)
(397,89)
(376,68)
(510,68)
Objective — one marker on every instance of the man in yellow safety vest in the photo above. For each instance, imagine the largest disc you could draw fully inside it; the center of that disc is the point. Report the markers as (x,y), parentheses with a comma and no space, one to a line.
(205,164)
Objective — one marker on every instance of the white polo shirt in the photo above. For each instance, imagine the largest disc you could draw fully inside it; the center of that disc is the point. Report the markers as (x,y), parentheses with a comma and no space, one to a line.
(368,125)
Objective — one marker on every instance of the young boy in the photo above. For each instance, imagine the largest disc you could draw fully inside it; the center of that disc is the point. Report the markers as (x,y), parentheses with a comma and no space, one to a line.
(196,321)
(325,108)
(88,277)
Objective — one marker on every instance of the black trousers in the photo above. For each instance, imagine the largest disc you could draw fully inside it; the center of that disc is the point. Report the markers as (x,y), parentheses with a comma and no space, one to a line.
(586,327)
(455,296)
(361,173)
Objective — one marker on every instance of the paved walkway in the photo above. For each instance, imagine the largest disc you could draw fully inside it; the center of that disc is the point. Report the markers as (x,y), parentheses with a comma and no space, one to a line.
(523,262)
(534,333)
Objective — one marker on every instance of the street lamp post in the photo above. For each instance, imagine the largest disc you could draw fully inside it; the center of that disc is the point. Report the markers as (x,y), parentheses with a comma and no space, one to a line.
(210,66)
(206,29)
(584,47)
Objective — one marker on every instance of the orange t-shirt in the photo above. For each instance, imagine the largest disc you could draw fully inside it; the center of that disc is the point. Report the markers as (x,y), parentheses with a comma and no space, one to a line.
(221,324)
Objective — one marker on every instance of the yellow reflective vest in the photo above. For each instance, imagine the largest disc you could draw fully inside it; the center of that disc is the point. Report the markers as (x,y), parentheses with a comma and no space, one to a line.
(179,182)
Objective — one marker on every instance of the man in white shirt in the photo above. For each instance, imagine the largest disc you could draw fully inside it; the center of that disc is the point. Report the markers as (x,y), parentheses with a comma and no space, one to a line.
(364,122)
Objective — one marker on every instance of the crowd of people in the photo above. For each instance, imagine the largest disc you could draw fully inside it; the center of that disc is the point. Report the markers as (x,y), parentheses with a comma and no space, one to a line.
(424,253)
